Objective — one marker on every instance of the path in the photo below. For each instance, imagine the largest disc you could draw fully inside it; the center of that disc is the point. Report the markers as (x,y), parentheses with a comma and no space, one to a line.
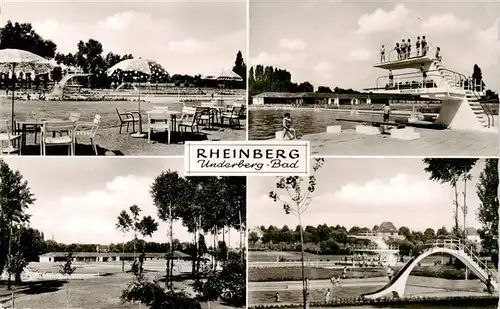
(431,143)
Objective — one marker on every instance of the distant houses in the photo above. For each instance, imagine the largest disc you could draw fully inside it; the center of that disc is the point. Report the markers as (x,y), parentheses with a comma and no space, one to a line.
(53,257)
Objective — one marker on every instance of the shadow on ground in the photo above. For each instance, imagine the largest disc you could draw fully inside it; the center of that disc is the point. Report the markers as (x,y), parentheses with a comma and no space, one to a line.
(30,288)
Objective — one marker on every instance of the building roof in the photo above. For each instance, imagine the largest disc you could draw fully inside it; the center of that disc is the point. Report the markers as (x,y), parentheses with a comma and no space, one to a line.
(470,231)
(177,254)
(324,95)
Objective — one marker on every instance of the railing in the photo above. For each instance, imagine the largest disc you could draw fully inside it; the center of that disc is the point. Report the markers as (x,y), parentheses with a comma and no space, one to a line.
(373,247)
(458,244)
(392,55)
(477,86)
(411,83)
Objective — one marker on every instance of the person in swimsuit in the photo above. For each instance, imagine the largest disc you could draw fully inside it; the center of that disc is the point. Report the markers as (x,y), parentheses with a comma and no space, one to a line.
(403,49)
(391,79)
(438,56)
(398,50)
(382,54)
(408,48)
(417,46)
(387,111)
(424,46)
(287,128)
(424,75)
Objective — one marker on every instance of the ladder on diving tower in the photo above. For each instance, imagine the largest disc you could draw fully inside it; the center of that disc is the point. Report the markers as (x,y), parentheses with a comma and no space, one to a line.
(473,97)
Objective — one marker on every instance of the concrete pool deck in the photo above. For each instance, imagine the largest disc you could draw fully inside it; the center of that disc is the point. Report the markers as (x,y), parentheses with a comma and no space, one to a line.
(431,143)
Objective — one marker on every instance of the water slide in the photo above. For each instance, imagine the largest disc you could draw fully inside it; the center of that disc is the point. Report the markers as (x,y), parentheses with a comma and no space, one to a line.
(398,283)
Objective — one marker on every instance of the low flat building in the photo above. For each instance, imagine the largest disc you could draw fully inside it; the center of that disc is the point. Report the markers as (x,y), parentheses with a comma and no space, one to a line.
(333,99)
(53,257)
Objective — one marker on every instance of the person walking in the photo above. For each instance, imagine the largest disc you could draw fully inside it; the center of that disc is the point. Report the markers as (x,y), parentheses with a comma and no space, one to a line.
(387,111)
(328,295)
(489,286)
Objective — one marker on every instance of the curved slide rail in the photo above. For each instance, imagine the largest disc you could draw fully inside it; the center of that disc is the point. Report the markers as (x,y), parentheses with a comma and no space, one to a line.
(398,283)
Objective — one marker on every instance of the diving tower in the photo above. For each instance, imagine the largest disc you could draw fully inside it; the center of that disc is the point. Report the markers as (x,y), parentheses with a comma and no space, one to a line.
(454,247)
(460,96)
(58,89)
(388,253)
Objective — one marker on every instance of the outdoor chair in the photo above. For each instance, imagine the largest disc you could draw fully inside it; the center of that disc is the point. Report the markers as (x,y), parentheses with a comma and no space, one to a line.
(207,115)
(73,116)
(87,129)
(189,119)
(64,140)
(128,118)
(8,138)
(158,121)
(233,116)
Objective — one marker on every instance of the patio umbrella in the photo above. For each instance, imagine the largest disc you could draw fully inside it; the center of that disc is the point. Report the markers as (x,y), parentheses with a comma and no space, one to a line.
(139,65)
(228,76)
(15,60)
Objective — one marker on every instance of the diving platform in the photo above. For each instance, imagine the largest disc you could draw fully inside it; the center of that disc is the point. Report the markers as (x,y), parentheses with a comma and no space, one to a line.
(407,63)
(461,97)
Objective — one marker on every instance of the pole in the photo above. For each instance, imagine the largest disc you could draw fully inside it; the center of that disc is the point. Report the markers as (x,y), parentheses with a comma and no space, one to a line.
(171,261)
(304,287)
(13,129)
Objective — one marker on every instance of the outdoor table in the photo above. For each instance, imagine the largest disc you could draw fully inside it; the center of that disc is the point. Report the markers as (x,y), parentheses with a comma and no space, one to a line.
(21,126)
(173,120)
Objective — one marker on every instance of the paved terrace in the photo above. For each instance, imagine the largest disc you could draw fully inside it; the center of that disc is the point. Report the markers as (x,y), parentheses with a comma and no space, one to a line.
(431,143)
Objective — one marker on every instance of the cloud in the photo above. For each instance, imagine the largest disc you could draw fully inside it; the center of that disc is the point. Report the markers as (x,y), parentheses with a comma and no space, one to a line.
(188,46)
(323,67)
(361,54)
(445,23)
(289,60)
(380,20)
(387,193)
(293,44)
(490,34)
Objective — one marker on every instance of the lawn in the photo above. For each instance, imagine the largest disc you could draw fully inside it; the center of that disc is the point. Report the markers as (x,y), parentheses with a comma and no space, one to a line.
(108,139)
(313,273)
(97,292)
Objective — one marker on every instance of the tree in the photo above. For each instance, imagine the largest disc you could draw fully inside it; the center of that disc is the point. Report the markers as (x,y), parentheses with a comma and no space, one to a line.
(145,226)
(240,68)
(442,232)
(56,74)
(404,231)
(23,36)
(296,202)
(253,237)
(450,171)
(15,199)
(429,234)
(324,89)
(67,270)
(306,87)
(169,195)
(487,214)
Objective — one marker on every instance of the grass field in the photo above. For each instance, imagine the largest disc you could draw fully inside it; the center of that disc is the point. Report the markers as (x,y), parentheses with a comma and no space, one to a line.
(108,138)
(96,292)
(313,273)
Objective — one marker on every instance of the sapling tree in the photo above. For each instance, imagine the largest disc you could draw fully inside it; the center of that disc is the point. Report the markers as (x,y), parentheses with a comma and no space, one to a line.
(67,270)
(132,222)
(293,193)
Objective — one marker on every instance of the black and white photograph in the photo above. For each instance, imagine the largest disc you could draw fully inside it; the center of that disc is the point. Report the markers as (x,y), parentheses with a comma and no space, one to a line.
(405,78)
(376,233)
(121,78)
(135,234)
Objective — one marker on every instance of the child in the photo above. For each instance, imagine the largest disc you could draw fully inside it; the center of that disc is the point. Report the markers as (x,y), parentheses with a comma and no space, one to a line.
(382,54)
(287,127)
(417,46)
(387,111)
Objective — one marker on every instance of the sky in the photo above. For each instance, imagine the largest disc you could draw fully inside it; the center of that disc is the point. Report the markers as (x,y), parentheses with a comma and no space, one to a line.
(78,199)
(335,43)
(186,37)
(367,192)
